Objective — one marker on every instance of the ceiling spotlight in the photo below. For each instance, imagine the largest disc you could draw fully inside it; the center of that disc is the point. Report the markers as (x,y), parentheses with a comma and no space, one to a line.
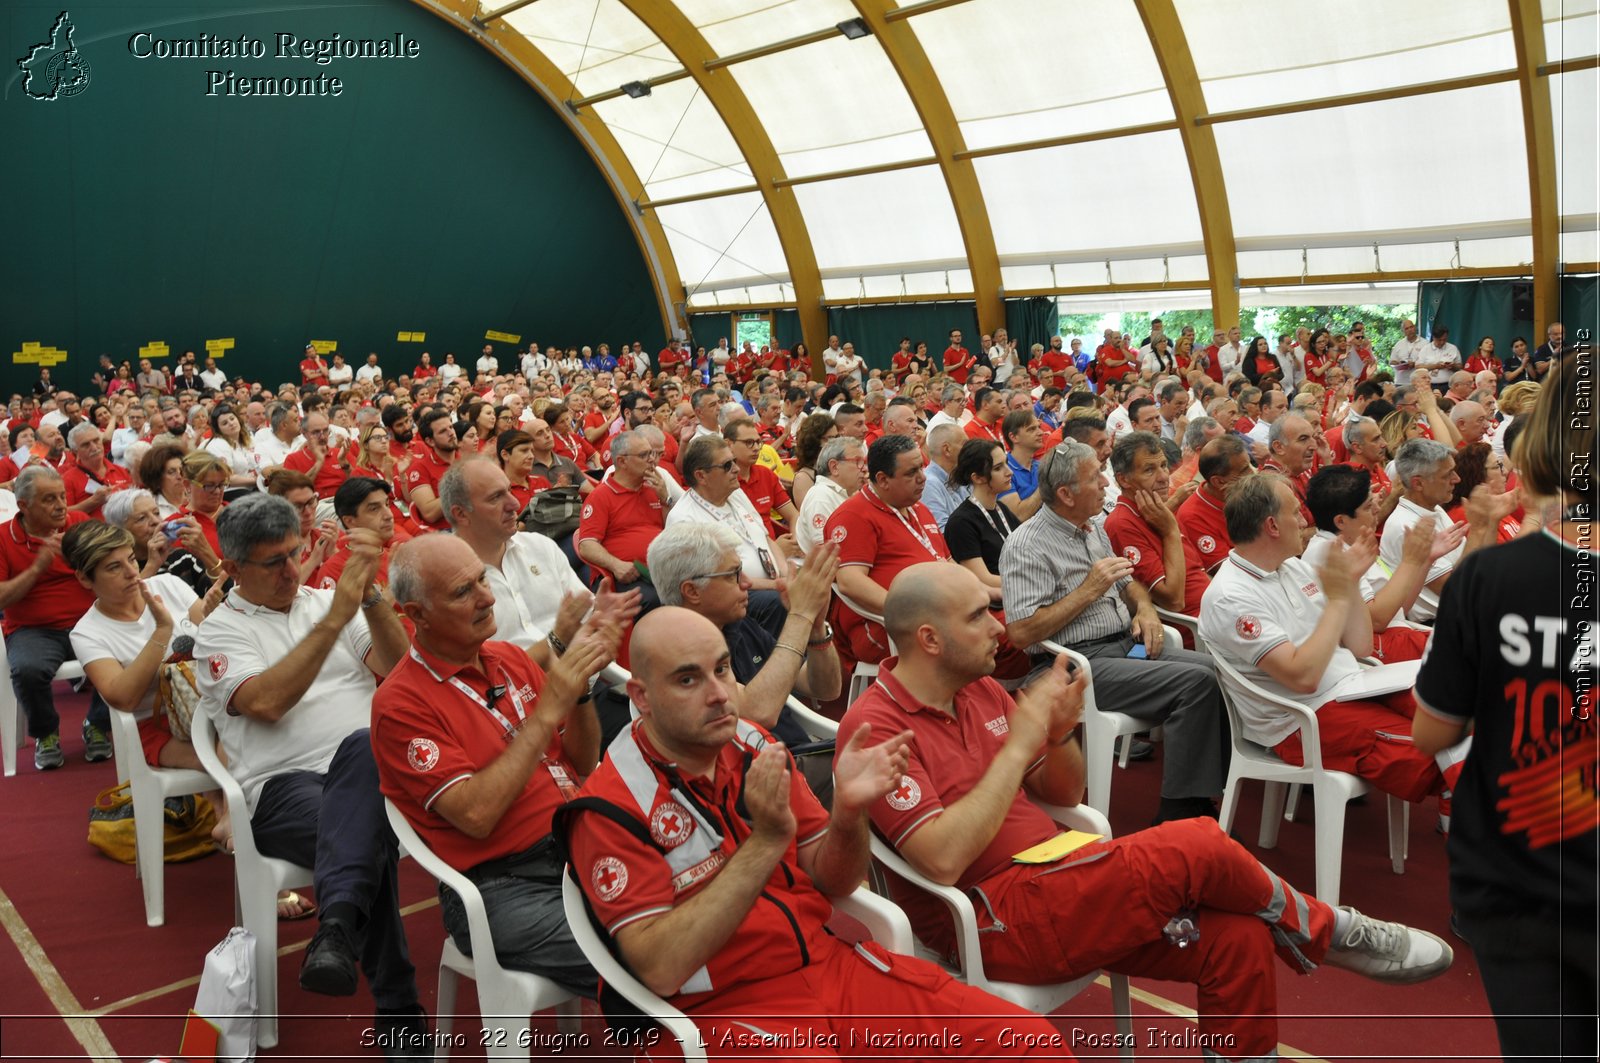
(637,90)
(855,28)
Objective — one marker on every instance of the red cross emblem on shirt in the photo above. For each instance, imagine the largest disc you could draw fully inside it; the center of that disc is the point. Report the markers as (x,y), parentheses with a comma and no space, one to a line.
(670,825)
(905,796)
(609,877)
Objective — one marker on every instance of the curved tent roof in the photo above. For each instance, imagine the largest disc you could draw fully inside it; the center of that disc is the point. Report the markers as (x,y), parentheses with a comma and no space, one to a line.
(803,152)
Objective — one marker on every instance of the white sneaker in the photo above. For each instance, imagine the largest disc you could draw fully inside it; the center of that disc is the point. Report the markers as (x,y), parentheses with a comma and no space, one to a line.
(1389,952)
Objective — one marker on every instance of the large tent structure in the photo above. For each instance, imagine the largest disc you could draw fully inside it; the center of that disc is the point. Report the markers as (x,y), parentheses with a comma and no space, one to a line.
(806,153)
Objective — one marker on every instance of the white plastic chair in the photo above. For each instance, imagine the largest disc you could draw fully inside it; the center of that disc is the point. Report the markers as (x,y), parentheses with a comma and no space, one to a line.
(883,919)
(865,672)
(1039,999)
(257,881)
(506,998)
(1185,623)
(150,787)
(1102,727)
(1333,789)
(13,723)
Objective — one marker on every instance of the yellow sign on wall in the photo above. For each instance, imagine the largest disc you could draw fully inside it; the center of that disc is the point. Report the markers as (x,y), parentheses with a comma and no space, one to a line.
(325,346)
(155,349)
(501,337)
(35,353)
(412,337)
(218,348)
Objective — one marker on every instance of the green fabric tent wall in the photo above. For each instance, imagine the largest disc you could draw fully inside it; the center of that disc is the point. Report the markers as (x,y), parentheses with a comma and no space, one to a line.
(1471,310)
(1030,321)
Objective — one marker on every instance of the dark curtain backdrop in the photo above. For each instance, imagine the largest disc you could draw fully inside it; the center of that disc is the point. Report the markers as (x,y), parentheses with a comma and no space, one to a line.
(1580,308)
(1472,310)
(1030,321)
(876,330)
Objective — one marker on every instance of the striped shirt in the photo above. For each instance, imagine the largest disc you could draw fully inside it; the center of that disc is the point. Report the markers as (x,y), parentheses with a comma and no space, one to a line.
(1047,559)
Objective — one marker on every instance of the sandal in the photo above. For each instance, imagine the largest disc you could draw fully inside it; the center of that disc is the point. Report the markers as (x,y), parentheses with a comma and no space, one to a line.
(292,906)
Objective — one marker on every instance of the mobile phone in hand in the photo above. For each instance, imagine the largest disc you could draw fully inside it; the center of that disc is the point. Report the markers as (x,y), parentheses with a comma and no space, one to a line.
(1139,652)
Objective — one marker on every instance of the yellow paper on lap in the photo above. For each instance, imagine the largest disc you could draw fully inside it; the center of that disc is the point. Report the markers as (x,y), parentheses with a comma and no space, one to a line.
(1057,847)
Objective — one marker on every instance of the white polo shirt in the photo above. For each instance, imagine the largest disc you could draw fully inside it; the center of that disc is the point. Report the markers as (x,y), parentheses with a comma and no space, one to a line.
(1392,547)
(528,587)
(739,514)
(238,642)
(1439,360)
(824,497)
(1403,357)
(1247,613)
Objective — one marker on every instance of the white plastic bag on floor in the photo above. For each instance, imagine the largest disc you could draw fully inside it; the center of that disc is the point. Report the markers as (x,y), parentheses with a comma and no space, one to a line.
(227,996)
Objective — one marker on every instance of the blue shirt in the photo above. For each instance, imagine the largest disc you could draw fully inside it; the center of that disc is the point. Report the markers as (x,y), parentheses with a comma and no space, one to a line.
(1024,482)
(940,495)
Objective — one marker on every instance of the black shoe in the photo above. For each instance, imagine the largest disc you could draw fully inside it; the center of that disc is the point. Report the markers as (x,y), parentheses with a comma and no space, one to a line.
(1140,750)
(403,1033)
(330,964)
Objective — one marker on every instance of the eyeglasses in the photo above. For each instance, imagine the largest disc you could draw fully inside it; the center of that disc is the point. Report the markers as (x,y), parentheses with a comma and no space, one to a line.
(748,442)
(731,574)
(211,489)
(271,564)
(726,466)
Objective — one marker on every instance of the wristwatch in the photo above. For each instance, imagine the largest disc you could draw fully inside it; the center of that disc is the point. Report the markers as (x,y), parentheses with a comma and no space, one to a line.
(824,638)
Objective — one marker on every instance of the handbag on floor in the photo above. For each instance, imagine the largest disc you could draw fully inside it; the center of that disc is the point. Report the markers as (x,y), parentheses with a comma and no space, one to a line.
(186,833)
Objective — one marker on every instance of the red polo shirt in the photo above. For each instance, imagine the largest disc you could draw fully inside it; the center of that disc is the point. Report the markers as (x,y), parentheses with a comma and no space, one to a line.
(976,429)
(208,528)
(872,535)
(1297,483)
(765,491)
(313,371)
(57,599)
(426,470)
(627,879)
(1203,524)
(1050,368)
(77,479)
(624,522)
(428,735)
(900,365)
(329,477)
(1133,538)
(1380,476)
(949,755)
(958,362)
(668,358)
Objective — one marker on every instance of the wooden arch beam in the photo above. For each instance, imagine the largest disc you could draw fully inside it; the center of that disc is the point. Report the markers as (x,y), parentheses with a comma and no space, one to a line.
(1538,125)
(1171,46)
(691,49)
(534,67)
(910,61)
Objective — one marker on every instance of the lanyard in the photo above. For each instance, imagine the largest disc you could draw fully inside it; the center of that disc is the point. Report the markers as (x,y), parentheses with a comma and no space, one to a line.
(477,699)
(572,445)
(917,533)
(741,528)
(998,525)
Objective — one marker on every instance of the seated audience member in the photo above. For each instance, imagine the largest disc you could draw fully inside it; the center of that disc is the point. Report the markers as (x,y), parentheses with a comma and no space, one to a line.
(1476,464)
(1346,508)
(988,409)
(197,558)
(287,677)
(962,809)
(272,447)
(317,538)
(161,473)
(42,600)
(1296,633)
(980,526)
(1223,462)
(361,502)
(953,404)
(436,450)
(1143,529)
(723,914)
(696,566)
(1472,422)
(1063,582)
(1091,431)
(514,451)
(943,492)
(87,472)
(478,746)
(815,430)
(231,441)
(539,602)
(622,516)
(325,462)
(1427,471)
(841,469)
(1184,476)
(1293,448)
(1022,435)
(561,471)
(714,497)
(760,485)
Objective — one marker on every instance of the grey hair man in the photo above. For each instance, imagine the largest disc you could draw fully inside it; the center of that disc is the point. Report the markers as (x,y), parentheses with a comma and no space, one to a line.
(940,494)
(1061,581)
(841,470)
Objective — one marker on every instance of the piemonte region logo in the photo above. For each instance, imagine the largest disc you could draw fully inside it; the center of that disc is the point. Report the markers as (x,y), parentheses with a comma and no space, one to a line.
(55,69)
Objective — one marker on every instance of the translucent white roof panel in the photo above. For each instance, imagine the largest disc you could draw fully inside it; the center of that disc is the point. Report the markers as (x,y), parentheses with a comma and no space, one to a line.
(727,238)
(1580,246)
(955,282)
(1394,257)
(676,141)
(1127,192)
(1407,179)
(1574,118)
(1251,54)
(598,44)
(833,105)
(890,219)
(731,26)
(1571,30)
(1009,101)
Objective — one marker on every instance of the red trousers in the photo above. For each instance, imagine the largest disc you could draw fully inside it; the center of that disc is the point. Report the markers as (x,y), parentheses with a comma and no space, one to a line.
(864,1002)
(1399,643)
(1106,905)
(1372,739)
